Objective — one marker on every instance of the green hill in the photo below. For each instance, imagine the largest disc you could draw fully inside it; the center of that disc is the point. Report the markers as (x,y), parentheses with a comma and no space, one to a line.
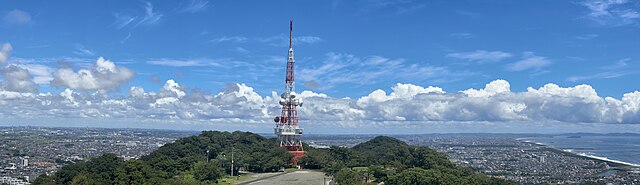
(389,160)
(186,161)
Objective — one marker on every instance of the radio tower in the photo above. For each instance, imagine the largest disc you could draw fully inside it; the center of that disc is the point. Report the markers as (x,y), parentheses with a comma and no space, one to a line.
(287,128)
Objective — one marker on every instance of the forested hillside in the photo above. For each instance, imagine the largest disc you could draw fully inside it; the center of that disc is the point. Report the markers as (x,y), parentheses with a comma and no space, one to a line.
(183,162)
(389,160)
(186,161)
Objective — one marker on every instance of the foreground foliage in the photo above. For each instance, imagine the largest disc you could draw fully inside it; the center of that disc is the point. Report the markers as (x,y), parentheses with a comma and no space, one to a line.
(391,161)
(185,161)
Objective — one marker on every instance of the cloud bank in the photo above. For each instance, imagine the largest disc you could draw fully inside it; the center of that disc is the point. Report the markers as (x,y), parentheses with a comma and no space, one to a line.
(405,103)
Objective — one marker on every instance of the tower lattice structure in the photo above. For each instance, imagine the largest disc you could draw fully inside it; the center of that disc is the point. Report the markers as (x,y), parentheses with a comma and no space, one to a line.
(287,130)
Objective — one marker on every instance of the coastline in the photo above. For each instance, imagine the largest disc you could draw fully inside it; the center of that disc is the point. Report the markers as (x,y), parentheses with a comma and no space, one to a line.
(610,162)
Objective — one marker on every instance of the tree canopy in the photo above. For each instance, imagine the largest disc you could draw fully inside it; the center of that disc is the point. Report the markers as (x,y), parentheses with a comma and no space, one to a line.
(391,161)
(185,161)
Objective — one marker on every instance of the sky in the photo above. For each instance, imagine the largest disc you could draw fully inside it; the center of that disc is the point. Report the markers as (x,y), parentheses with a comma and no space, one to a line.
(362,66)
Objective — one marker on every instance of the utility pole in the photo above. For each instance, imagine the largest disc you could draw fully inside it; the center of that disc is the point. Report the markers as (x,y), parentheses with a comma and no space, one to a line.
(232,161)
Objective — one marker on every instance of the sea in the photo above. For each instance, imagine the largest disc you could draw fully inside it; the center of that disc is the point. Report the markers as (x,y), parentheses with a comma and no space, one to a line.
(618,148)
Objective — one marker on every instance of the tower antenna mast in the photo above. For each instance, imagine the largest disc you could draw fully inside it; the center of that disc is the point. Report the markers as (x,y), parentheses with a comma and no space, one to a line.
(287,130)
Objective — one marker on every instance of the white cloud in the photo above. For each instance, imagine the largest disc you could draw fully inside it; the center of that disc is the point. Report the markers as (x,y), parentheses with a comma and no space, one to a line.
(602,75)
(493,88)
(282,40)
(5,53)
(337,69)
(148,17)
(17,17)
(16,78)
(612,12)
(234,39)
(462,35)
(195,6)
(619,64)
(123,20)
(105,76)
(187,62)
(405,105)
(83,51)
(306,39)
(529,61)
(41,73)
(610,71)
(481,56)
(586,36)
(400,91)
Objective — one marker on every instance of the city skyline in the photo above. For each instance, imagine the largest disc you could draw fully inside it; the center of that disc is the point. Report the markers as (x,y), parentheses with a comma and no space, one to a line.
(405,66)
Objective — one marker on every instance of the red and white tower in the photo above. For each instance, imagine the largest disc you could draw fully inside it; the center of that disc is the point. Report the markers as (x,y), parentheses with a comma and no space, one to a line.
(287,128)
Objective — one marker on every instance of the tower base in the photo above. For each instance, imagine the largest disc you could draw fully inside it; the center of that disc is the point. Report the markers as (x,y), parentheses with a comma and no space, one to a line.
(296,155)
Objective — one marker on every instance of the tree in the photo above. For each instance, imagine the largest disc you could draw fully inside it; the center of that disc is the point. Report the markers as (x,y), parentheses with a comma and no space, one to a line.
(207,171)
(44,179)
(380,172)
(347,176)
(82,179)
(412,176)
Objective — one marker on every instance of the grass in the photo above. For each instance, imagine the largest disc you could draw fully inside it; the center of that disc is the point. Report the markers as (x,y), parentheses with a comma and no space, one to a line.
(290,170)
(234,180)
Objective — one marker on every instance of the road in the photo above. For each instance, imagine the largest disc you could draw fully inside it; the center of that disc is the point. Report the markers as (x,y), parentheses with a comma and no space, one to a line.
(302,177)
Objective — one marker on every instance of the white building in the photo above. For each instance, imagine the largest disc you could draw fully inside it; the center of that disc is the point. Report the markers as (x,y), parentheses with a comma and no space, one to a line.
(13,181)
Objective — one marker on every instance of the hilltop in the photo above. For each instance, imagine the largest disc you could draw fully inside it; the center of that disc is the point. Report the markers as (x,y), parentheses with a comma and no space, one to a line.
(389,160)
(186,161)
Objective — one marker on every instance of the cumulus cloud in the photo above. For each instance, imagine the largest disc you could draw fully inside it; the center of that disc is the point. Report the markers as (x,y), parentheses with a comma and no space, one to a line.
(42,75)
(493,88)
(16,78)
(405,104)
(104,76)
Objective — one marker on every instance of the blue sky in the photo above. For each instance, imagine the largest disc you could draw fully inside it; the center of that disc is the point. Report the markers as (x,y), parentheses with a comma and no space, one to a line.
(343,48)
